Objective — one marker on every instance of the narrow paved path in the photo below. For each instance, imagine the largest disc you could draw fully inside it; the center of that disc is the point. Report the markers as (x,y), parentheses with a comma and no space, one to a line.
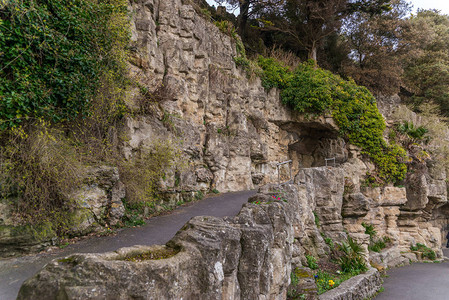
(423,281)
(158,230)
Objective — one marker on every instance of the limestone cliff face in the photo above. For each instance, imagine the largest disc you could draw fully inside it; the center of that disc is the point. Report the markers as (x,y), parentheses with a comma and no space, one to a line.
(234,133)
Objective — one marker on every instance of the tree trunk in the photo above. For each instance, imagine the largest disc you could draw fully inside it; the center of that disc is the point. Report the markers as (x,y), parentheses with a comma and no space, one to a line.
(244,11)
(313,51)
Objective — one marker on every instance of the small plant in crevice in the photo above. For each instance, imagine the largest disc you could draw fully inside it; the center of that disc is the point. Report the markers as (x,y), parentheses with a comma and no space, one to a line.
(311,262)
(329,242)
(317,219)
(409,133)
(278,198)
(369,230)
(348,187)
(376,244)
(199,195)
(133,214)
(426,251)
(351,260)
(294,291)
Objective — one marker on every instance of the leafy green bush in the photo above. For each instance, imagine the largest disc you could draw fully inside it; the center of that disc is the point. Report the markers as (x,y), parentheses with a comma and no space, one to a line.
(311,262)
(274,73)
(54,54)
(312,90)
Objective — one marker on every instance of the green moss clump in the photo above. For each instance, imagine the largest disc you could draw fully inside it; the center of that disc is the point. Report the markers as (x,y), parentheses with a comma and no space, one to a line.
(312,90)
(153,255)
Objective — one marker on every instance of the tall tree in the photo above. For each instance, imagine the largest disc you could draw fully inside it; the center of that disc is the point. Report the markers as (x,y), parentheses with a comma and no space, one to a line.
(305,23)
(377,43)
(426,67)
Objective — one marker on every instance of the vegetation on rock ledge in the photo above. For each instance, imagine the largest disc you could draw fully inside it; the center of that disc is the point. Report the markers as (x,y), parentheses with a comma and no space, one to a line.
(312,90)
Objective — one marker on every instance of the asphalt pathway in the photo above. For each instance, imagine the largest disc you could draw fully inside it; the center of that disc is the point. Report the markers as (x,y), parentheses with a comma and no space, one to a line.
(158,230)
(420,281)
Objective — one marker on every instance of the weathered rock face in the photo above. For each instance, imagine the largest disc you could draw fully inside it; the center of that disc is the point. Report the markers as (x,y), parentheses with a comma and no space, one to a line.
(234,133)
(230,127)
(98,203)
(245,257)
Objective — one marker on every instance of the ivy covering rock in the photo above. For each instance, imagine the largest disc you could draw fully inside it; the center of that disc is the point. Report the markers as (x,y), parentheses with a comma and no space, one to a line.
(312,90)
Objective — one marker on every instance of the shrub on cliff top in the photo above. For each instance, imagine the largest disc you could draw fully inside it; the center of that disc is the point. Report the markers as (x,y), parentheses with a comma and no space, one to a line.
(312,90)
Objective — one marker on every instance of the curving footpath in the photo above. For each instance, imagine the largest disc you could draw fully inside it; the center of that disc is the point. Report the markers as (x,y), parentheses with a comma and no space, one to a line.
(428,281)
(158,230)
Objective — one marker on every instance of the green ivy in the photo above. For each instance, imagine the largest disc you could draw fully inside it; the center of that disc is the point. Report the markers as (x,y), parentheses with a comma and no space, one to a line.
(274,73)
(312,90)
(53,54)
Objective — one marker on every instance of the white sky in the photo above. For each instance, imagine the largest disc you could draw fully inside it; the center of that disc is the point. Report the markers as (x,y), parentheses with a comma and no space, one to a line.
(442,5)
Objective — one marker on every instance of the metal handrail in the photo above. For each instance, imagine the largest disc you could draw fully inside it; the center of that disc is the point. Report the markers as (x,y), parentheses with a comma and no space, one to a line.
(329,159)
(279,175)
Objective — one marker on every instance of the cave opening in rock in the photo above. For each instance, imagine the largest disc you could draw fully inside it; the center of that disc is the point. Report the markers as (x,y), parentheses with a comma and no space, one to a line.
(312,143)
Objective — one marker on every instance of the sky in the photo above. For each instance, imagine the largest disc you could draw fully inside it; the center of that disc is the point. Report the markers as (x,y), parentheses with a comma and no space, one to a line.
(442,5)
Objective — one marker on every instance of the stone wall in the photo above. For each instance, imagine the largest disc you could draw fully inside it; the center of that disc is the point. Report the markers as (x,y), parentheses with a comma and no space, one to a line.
(249,256)
(245,257)
(234,133)
(360,287)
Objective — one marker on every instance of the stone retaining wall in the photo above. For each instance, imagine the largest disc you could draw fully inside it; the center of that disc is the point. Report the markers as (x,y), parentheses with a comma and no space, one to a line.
(363,286)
